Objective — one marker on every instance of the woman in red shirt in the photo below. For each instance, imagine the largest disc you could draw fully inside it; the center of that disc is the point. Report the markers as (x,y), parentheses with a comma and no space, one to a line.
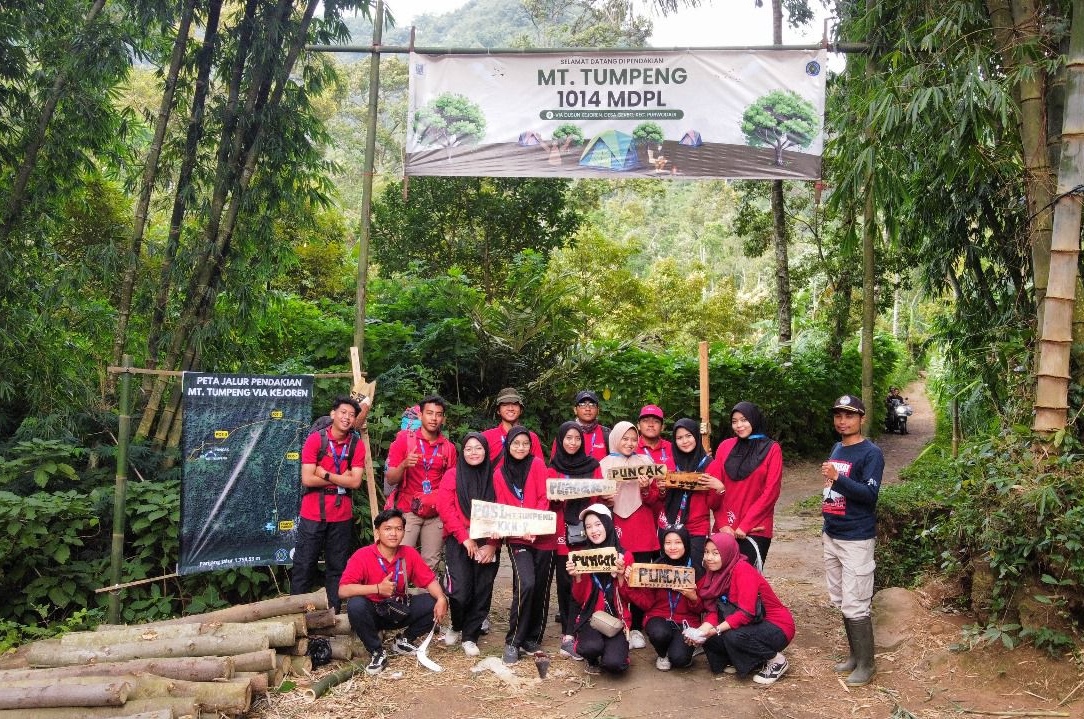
(520,481)
(471,565)
(751,467)
(739,633)
(689,508)
(668,611)
(600,592)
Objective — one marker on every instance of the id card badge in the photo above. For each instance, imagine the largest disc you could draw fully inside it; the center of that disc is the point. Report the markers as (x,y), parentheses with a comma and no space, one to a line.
(427,486)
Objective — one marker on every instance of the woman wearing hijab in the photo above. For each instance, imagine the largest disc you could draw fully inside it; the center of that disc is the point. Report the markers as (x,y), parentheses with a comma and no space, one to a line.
(668,611)
(689,508)
(520,481)
(471,565)
(601,592)
(751,468)
(569,460)
(738,634)
(634,506)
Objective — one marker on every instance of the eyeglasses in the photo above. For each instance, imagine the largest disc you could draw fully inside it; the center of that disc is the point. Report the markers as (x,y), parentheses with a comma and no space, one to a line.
(587,403)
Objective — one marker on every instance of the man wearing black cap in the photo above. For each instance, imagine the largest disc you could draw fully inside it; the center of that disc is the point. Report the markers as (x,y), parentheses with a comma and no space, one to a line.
(596,437)
(852,479)
(510,410)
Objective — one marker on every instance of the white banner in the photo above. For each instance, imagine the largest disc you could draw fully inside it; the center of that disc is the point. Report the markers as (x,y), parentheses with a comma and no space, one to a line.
(691,114)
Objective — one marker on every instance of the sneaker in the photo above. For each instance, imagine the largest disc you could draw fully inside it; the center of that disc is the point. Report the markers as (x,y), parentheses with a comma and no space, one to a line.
(403,646)
(377,663)
(771,672)
(511,654)
(636,639)
(662,664)
(486,626)
(730,669)
(698,651)
(568,649)
(451,637)
(530,648)
(589,668)
(470,649)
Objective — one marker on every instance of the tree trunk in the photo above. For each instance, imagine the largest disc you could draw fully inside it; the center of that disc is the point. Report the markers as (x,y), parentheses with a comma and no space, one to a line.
(102,693)
(320,619)
(49,654)
(177,706)
(17,197)
(869,298)
(260,661)
(289,604)
(150,172)
(192,669)
(279,634)
(1058,303)
(779,223)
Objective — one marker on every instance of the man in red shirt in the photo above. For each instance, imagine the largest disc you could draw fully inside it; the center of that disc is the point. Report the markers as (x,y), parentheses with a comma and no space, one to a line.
(416,463)
(374,586)
(509,409)
(332,461)
(596,437)
(651,444)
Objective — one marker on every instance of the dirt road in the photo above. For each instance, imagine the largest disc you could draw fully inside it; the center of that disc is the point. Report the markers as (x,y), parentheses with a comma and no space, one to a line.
(919,677)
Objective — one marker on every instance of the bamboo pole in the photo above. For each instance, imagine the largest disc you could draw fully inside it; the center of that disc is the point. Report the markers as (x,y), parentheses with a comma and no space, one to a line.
(124,428)
(705,399)
(334,679)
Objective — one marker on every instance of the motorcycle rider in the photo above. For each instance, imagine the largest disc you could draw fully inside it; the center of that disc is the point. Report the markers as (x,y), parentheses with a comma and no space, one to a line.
(893,400)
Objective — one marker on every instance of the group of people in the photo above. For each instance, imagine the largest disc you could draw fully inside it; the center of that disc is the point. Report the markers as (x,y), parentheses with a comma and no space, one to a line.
(722,531)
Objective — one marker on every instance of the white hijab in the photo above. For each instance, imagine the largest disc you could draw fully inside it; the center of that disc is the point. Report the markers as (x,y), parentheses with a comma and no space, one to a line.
(627,500)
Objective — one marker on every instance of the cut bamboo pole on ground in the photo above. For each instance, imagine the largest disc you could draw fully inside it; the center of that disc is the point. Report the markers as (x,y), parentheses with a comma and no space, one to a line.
(193,669)
(99,693)
(334,679)
(45,654)
(268,608)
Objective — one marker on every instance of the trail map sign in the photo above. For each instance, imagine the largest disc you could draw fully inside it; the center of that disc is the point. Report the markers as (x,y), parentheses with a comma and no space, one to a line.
(578,488)
(654,471)
(662,576)
(241,487)
(490,518)
(594,560)
(631,113)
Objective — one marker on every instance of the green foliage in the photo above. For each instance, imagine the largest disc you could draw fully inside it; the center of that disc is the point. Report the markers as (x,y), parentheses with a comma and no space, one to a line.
(1007,509)
(779,120)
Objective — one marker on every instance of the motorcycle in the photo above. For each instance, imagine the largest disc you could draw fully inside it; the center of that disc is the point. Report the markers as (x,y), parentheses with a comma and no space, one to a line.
(898,412)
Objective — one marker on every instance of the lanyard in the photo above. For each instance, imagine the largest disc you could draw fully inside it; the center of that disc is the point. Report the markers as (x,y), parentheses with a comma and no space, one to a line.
(428,464)
(647,451)
(384,566)
(672,598)
(602,590)
(339,458)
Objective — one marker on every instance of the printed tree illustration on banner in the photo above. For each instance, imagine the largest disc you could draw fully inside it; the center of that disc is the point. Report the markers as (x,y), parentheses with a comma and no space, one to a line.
(780,119)
(449,120)
(647,132)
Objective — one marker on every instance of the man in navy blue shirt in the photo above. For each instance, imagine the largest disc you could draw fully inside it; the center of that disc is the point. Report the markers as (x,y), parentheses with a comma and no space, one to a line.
(852,478)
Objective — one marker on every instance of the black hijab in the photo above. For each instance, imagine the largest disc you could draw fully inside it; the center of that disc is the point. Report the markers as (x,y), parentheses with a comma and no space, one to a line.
(515,470)
(694,461)
(611,534)
(578,464)
(748,453)
(686,558)
(474,481)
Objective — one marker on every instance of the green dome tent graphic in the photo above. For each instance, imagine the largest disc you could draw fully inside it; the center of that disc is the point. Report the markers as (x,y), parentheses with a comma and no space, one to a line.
(612,150)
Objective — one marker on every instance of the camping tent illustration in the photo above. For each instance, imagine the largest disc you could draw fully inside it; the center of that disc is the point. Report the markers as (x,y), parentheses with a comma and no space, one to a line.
(612,150)
(691,138)
(529,139)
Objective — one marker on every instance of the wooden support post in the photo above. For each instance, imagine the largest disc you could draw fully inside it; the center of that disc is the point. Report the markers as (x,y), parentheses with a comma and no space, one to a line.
(705,399)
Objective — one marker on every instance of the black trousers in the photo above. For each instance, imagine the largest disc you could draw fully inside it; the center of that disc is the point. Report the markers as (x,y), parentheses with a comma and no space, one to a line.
(637,614)
(609,653)
(367,623)
(531,577)
(566,608)
(470,588)
(665,636)
(745,648)
(333,540)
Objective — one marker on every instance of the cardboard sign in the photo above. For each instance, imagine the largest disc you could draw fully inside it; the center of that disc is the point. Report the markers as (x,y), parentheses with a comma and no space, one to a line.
(640,470)
(681,480)
(489,519)
(662,576)
(599,560)
(578,488)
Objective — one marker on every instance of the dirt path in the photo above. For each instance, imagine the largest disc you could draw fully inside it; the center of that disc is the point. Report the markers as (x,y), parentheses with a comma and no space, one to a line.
(920,675)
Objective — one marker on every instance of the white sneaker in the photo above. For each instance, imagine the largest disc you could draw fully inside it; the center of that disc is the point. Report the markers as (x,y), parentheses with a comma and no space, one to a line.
(470,649)
(637,641)
(662,664)
(451,637)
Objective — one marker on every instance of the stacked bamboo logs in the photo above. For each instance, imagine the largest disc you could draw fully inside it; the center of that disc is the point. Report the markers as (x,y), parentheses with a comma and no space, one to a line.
(204,665)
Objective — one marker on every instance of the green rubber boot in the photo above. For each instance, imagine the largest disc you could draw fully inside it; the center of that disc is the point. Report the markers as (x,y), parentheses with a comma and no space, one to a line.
(847,665)
(862,651)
